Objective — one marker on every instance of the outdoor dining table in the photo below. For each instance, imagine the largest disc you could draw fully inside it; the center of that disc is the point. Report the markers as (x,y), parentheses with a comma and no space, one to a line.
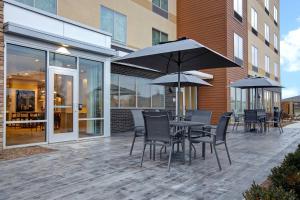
(188,125)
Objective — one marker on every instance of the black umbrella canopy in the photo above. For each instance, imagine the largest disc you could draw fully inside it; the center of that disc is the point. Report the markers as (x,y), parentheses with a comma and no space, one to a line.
(187,53)
(256,82)
(171,80)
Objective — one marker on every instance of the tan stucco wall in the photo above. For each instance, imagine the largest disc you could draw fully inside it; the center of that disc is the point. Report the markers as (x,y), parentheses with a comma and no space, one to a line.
(259,41)
(140,18)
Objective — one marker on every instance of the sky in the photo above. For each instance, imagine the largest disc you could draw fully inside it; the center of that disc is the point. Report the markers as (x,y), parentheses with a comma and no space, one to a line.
(290,47)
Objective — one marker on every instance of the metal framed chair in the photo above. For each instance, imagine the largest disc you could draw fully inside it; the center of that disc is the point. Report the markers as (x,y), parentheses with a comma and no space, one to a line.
(139,126)
(276,121)
(251,118)
(158,132)
(218,137)
(204,117)
(237,121)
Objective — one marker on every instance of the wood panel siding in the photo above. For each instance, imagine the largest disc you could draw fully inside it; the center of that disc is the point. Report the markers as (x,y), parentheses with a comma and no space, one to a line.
(211,23)
(1,71)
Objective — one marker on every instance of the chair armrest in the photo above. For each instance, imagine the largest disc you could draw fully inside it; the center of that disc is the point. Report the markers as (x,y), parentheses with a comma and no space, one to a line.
(209,133)
(210,126)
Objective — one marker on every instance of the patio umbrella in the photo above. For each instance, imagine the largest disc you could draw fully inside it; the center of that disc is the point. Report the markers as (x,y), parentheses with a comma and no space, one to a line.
(177,56)
(171,80)
(256,82)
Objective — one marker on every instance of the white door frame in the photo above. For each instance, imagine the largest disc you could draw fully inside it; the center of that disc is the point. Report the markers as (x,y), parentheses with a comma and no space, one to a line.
(62,136)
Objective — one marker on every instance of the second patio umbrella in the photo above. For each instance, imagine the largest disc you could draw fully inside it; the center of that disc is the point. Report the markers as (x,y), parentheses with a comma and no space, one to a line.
(177,56)
(255,83)
(171,80)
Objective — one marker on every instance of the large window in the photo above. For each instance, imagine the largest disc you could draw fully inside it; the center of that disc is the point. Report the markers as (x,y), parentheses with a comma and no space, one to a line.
(268,101)
(254,54)
(46,5)
(90,98)
(25,95)
(267,4)
(254,19)
(158,36)
(238,7)
(114,23)
(267,33)
(135,92)
(267,64)
(143,93)
(163,4)
(276,70)
(238,49)
(238,100)
(275,41)
(127,89)
(275,14)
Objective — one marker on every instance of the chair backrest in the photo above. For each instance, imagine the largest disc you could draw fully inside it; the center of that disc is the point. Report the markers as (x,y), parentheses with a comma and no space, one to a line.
(157,126)
(138,119)
(202,116)
(222,126)
(250,116)
(188,115)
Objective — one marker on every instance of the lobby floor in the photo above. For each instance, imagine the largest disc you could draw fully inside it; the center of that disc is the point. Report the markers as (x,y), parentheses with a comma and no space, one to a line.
(103,169)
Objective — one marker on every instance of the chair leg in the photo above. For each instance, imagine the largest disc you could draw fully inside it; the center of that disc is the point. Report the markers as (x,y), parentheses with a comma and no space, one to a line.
(217,157)
(233,127)
(227,153)
(133,141)
(236,127)
(161,151)
(150,151)
(154,151)
(143,154)
(194,148)
(170,155)
(211,149)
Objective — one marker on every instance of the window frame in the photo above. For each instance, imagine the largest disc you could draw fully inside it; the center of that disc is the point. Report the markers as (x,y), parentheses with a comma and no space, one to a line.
(136,79)
(238,7)
(254,17)
(114,13)
(238,47)
(254,56)
(275,14)
(267,4)
(267,32)
(160,5)
(267,64)
(34,6)
(275,41)
(160,36)
(276,70)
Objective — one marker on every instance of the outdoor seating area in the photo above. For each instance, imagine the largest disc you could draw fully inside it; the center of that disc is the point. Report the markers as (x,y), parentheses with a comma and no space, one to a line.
(258,120)
(160,129)
(105,170)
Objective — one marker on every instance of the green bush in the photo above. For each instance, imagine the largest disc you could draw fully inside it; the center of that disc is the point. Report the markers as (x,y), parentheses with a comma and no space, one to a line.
(257,192)
(287,175)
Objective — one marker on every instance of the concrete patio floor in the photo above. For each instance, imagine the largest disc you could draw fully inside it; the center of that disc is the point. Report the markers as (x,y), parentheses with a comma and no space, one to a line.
(102,169)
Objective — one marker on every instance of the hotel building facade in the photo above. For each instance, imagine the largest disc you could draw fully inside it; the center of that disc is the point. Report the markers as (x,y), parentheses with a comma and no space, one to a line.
(58,81)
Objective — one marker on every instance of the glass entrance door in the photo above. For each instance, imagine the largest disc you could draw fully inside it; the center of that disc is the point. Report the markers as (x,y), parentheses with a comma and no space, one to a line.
(63,112)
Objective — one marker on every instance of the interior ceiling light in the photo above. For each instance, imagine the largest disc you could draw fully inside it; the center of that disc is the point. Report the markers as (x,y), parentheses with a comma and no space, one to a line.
(63,50)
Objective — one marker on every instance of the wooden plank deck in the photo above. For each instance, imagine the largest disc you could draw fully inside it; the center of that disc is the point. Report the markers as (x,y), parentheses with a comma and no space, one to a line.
(103,169)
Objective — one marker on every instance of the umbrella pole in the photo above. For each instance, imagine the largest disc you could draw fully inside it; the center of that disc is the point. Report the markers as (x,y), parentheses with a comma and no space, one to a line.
(179,87)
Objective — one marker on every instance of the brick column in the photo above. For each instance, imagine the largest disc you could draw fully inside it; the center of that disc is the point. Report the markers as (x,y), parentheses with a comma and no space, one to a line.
(1,72)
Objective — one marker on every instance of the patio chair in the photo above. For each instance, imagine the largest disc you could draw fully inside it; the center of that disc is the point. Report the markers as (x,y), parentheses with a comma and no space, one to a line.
(158,132)
(218,137)
(139,126)
(237,121)
(276,121)
(204,117)
(251,118)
